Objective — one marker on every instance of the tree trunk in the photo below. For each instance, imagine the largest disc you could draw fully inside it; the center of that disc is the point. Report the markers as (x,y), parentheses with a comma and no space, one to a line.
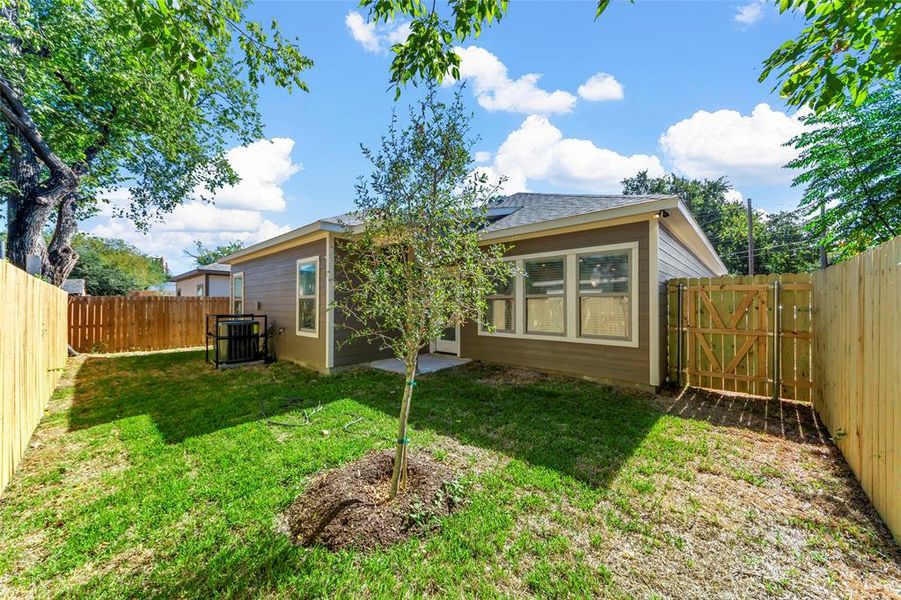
(399,475)
(61,257)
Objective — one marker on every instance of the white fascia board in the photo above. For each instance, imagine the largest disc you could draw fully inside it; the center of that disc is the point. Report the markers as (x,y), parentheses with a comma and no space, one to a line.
(285,237)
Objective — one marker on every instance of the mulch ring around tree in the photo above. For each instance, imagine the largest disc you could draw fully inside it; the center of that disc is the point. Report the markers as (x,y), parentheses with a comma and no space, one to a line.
(348,507)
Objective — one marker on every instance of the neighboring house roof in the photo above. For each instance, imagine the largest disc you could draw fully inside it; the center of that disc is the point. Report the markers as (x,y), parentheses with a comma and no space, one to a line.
(210,269)
(528,213)
(75,287)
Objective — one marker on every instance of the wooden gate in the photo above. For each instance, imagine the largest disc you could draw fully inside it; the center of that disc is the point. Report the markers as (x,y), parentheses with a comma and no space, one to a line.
(751,335)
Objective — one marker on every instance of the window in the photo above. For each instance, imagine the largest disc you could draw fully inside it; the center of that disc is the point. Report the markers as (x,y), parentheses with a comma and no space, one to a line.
(238,293)
(199,289)
(605,295)
(500,308)
(308,296)
(545,285)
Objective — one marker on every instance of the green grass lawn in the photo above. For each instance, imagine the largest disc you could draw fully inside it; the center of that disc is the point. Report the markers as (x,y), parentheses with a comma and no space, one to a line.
(155,475)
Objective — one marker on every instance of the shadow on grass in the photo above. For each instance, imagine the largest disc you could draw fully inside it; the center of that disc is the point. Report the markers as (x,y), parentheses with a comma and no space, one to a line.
(792,421)
(578,428)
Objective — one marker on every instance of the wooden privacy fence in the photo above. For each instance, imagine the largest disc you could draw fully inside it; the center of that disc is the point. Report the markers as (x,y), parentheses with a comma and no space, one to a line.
(32,358)
(726,333)
(858,370)
(123,324)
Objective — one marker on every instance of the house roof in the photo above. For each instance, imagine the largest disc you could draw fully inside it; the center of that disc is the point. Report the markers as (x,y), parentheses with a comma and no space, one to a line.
(529,209)
(210,269)
(529,213)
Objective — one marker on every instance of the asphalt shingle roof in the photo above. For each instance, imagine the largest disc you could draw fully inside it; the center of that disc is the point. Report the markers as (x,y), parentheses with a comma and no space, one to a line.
(538,208)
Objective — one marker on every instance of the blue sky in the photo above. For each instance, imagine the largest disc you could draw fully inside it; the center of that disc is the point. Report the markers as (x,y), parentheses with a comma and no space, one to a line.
(669,86)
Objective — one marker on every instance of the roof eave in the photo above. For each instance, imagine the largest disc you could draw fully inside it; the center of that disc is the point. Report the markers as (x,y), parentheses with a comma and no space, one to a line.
(294,234)
(607,214)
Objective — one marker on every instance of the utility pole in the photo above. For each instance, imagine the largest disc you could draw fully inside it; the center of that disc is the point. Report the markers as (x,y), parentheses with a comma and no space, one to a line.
(750,239)
(824,260)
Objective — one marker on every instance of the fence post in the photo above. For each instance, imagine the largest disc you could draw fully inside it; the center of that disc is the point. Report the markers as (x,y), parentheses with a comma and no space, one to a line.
(777,342)
(679,336)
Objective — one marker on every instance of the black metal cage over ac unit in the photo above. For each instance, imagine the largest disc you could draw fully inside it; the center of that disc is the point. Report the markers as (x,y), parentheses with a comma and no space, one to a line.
(236,339)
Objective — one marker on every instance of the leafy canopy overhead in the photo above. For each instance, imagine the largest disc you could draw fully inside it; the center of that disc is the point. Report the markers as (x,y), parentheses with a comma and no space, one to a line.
(204,255)
(846,48)
(144,95)
(428,53)
(850,158)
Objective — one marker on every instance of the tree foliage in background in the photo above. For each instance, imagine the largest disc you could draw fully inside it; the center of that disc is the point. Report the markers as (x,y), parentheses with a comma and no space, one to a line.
(111,267)
(851,162)
(204,255)
(416,267)
(110,93)
(846,48)
(782,244)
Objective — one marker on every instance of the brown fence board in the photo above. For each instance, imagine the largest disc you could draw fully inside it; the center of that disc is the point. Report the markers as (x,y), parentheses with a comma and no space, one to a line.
(124,324)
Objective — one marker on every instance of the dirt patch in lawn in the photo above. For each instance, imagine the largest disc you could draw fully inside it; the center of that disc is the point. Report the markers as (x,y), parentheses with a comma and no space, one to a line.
(348,507)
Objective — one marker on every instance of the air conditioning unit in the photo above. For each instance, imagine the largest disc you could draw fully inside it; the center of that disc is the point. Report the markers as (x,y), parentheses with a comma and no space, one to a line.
(236,339)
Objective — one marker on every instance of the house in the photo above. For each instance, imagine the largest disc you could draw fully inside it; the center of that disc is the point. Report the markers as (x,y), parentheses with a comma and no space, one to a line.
(591,302)
(209,280)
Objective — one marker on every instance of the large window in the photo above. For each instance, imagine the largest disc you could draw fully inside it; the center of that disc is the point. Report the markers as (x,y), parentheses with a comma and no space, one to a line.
(604,295)
(545,287)
(238,293)
(585,295)
(500,308)
(308,296)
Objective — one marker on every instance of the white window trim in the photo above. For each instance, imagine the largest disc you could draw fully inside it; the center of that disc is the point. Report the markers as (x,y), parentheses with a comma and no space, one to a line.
(511,296)
(314,333)
(572,298)
(231,293)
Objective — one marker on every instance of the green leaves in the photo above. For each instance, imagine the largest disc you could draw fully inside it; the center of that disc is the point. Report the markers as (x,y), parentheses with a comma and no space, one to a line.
(846,49)
(145,94)
(850,158)
(417,267)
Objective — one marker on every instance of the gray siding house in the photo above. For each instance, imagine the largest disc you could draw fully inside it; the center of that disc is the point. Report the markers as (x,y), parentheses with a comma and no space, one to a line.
(591,301)
(210,280)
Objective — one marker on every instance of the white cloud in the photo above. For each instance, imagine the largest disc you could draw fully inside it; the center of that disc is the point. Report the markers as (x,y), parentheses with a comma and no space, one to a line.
(750,13)
(494,89)
(262,166)
(537,151)
(601,86)
(746,148)
(734,195)
(481,156)
(237,212)
(374,37)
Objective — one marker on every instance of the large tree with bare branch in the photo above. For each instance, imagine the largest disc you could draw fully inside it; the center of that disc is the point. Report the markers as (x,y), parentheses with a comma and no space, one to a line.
(97,94)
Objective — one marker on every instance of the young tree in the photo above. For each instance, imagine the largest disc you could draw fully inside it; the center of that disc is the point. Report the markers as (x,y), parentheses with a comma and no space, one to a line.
(110,93)
(204,255)
(415,267)
(851,162)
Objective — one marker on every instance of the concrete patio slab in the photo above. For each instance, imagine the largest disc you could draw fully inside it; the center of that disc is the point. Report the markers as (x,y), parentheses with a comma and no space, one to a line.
(428,363)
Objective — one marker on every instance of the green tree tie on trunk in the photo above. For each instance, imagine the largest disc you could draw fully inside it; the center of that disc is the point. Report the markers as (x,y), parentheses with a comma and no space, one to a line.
(416,267)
